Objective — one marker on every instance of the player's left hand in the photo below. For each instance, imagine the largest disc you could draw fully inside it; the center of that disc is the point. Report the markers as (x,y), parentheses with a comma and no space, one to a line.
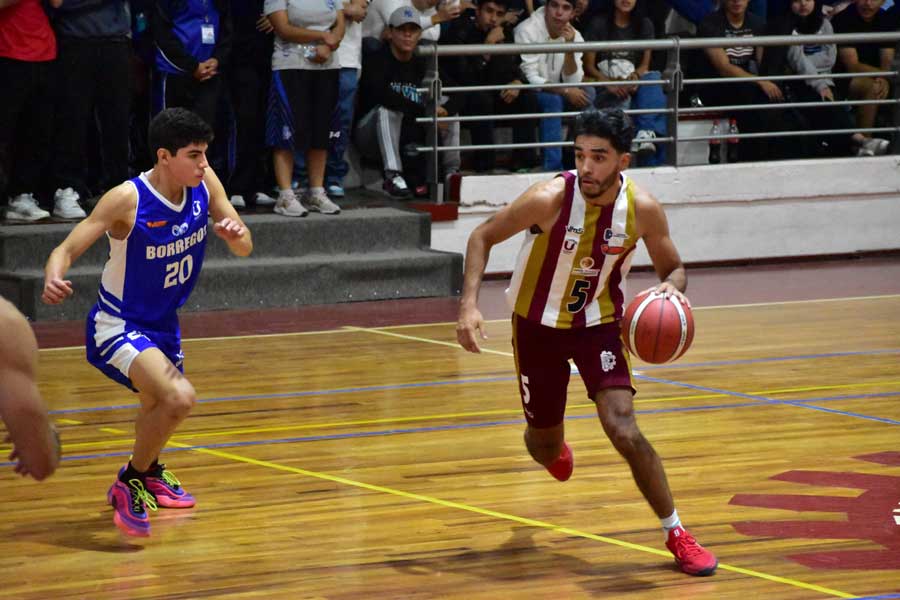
(229,229)
(666,289)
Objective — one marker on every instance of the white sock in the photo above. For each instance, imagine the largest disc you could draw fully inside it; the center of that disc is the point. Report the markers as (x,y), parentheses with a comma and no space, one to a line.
(316,190)
(670,522)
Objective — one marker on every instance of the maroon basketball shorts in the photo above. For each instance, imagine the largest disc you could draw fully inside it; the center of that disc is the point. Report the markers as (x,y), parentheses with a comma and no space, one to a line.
(542,364)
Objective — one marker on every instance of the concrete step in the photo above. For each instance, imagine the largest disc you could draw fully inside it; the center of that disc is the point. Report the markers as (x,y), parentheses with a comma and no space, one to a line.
(360,230)
(234,283)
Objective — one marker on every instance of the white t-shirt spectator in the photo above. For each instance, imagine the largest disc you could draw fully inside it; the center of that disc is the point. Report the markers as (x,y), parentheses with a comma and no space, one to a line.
(318,15)
(349,53)
(380,12)
(548,67)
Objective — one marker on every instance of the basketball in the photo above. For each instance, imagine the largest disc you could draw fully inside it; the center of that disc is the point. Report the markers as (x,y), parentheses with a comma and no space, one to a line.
(657,329)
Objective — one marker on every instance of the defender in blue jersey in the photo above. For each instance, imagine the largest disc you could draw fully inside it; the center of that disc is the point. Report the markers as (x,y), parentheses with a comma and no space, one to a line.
(157,225)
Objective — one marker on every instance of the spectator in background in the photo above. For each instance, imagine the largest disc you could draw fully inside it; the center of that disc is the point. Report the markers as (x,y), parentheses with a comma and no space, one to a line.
(806,18)
(349,55)
(193,42)
(390,104)
(486,26)
(248,77)
(628,21)
(551,24)
(733,20)
(865,16)
(94,87)
(27,52)
(303,97)
(429,13)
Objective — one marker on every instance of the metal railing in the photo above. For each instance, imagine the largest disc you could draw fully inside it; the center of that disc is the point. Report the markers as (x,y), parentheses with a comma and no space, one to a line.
(672,80)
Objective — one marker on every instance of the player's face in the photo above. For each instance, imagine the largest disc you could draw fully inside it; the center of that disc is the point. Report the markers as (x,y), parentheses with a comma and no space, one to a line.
(189,164)
(598,165)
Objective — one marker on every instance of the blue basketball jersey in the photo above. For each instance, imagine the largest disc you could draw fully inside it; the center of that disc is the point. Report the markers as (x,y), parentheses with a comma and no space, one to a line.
(151,273)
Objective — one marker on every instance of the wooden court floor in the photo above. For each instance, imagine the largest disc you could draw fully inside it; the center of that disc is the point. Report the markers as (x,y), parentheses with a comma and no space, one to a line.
(385,462)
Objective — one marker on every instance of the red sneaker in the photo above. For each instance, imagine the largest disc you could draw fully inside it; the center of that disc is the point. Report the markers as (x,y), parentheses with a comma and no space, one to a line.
(562,467)
(693,558)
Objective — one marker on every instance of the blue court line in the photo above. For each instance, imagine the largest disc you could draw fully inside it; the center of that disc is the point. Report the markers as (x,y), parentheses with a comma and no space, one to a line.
(749,361)
(880,597)
(802,404)
(400,386)
(433,428)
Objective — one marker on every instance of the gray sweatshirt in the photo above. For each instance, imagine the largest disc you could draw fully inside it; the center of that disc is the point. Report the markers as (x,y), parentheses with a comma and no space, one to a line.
(815,59)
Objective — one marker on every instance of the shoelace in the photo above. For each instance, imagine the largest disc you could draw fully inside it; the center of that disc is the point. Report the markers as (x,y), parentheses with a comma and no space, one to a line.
(140,497)
(687,545)
(170,479)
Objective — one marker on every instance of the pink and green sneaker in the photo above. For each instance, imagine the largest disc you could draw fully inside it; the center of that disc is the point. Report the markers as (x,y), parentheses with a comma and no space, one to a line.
(167,489)
(130,502)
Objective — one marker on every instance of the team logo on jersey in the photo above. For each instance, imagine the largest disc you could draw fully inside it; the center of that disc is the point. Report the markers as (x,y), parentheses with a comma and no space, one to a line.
(575,230)
(155,224)
(607,361)
(179,230)
(197,208)
(569,245)
(614,242)
(586,267)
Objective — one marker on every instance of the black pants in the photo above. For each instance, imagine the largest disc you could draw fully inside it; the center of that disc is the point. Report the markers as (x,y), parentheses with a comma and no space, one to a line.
(750,121)
(26,127)
(248,81)
(524,131)
(94,88)
(825,116)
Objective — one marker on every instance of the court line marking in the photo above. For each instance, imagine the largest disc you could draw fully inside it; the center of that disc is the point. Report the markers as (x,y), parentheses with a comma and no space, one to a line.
(509,517)
(342,424)
(504,320)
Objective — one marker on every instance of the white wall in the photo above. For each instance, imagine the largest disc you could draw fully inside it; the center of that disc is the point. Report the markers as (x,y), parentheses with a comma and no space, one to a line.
(733,211)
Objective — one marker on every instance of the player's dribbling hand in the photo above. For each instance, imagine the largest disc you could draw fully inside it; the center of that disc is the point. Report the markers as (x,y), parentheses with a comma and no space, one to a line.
(470,321)
(228,229)
(56,290)
(666,289)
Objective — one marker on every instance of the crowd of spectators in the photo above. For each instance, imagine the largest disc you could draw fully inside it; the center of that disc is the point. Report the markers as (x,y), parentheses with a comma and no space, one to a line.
(287,84)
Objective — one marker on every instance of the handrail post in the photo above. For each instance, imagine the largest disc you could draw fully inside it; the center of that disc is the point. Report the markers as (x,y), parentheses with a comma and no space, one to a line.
(433,169)
(674,75)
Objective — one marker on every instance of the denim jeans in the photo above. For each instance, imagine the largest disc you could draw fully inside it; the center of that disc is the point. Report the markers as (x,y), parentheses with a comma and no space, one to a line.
(551,130)
(646,97)
(336,167)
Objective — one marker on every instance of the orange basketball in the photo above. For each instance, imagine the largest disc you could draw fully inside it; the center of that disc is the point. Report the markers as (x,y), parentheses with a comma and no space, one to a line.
(657,329)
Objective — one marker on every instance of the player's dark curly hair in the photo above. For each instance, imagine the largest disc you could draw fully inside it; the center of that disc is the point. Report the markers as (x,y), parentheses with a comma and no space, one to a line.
(176,128)
(609,123)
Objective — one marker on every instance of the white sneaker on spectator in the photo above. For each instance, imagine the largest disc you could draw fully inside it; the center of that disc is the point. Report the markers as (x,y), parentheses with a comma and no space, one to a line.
(237,201)
(643,142)
(65,204)
(264,199)
(319,201)
(288,205)
(873,147)
(25,208)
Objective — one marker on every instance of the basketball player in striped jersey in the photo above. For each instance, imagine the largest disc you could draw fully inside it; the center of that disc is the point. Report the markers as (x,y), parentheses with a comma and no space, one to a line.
(157,226)
(567,296)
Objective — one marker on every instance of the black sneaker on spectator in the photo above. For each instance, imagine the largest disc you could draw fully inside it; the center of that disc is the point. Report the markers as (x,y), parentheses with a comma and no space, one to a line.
(237,201)
(65,204)
(288,205)
(25,208)
(318,201)
(395,185)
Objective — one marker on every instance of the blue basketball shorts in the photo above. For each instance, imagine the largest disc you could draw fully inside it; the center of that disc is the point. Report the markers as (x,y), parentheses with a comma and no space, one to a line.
(112,344)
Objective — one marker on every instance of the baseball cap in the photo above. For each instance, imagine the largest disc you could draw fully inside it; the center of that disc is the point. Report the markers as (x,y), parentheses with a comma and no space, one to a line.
(404,15)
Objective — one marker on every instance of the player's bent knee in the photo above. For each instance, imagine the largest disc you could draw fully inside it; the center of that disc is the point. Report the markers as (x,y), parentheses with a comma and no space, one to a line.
(180,401)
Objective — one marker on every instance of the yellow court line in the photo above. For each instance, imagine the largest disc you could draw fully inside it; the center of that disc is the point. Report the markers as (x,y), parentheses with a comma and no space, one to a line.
(504,320)
(508,517)
(421,339)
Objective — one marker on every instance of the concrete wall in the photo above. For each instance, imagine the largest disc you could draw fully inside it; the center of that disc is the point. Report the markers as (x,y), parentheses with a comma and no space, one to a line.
(731,212)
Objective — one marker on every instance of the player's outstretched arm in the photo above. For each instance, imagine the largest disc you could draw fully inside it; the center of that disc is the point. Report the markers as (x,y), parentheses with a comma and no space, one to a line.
(539,205)
(667,263)
(226,222)
(114,213)
(35,442)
